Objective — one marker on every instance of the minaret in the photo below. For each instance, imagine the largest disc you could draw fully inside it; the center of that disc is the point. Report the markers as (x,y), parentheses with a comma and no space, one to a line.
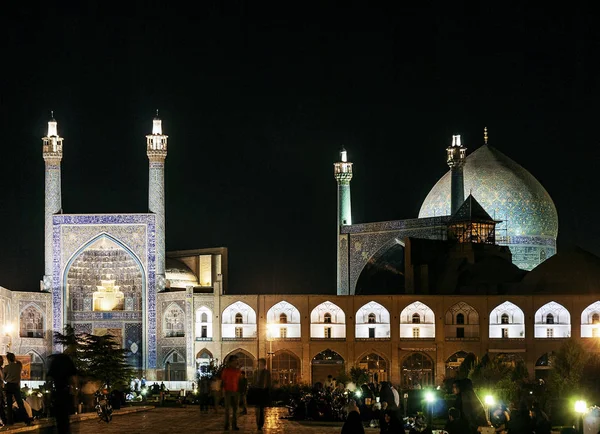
(456,161)
(52,152)
(343,175)
(157,152)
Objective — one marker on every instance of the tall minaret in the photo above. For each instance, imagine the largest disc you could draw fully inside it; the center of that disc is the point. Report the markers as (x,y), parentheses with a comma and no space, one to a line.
(456,161)
(52,152)
(343,175)
(157,152)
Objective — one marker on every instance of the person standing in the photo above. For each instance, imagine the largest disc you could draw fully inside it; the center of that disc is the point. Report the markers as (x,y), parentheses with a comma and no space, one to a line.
(204,391)
(262,383)
(12,376)
(62,372)
(243,389)
(2,403)
(230,378)
(216,392)
(470,407)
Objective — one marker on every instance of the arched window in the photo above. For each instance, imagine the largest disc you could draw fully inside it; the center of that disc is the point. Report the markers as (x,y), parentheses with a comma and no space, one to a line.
(204,317)
(504,319)
(595,319)
(416,318)
(327,318)
(174,321)
(417,371)
(32,323)
(460,319)
(283,318)
(245,362)
(549,319)
(286,368)
(239,319)
(372,319)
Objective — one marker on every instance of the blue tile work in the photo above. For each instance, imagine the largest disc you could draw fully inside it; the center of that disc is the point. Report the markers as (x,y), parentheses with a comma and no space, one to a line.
(136,233)
(509,193)
(133,342)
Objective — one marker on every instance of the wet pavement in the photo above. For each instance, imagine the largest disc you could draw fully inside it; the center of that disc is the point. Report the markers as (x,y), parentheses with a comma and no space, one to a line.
(176,420)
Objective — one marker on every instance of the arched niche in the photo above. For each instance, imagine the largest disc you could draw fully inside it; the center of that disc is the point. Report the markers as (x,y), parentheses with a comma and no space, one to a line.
(376,365)
(372,321)
(384,271)
(32,322)
(246,361)
(327,362)
(174,321)
(232,327)
(204,326)
(203,360)
(417,321)
(286,368)
(283,321)
(417,371)
(507,321)
(590,321)
(327,321)
(552,320)
(462,322)
(174,366)
(453,363)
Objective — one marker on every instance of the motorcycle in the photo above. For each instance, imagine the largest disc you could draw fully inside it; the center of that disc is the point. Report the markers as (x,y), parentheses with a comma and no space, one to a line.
(103,405)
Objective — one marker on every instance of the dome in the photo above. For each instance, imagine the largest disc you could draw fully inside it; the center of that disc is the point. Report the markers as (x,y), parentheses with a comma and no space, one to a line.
(179,275)
(509,193)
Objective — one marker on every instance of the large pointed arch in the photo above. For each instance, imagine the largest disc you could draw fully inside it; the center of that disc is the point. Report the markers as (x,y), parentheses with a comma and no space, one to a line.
(204,323)
(461,322)
(173,321)
(372,321)
(376,363)
(383,273)
(174,365)
(507,321)
(327,362)
(238,321)
(246,361)
(417,321)
(327,321)
(590,321)
(283,321)
(417,370)
(286,367)
(32,321)
(552,320)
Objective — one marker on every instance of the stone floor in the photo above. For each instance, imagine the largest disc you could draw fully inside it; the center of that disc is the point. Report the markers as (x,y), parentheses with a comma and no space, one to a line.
(189,420)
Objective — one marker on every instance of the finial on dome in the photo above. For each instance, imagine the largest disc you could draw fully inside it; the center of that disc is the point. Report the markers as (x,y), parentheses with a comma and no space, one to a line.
(156,114)
(485,136)
(51,115)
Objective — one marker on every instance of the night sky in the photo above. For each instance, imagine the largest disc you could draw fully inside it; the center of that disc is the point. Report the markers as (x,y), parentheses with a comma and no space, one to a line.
(258,99)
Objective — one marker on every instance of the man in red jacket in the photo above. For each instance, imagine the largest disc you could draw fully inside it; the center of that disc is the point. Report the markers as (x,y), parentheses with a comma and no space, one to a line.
(230,378)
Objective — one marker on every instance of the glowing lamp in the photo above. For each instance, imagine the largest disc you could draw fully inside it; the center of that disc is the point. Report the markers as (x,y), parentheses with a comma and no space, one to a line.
(580,407)
(489,400)
(358,393)
(429,397)
(8,328)
(272,330)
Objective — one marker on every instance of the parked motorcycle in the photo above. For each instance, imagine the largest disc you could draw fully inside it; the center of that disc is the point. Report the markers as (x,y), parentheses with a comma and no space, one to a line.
(103,405)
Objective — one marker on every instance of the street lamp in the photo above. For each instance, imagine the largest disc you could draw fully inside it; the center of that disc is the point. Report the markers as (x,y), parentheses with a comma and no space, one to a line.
(489,402)
(8,329)
(271,333)
(430,399)
(581,409)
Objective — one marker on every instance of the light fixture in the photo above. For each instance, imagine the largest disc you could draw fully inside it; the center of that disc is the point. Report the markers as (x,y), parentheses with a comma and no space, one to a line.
(489,400)
(580,407)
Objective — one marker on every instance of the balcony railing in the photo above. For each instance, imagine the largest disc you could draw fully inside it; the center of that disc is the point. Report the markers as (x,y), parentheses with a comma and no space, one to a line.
(286,339)
(465,339)
(372,339)
(327,339)
(175,335)
(239,339)
(203,339)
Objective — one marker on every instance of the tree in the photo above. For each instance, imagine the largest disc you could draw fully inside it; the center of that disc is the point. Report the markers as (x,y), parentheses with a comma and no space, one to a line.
(359,376)
(567,364)
(505,374)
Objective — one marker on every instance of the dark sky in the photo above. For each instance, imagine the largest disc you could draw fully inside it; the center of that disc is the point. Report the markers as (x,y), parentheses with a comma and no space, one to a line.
(257,100)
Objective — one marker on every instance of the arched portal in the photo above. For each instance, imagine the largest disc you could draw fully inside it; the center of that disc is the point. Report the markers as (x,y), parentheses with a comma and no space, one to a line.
(326,363)
(105,276)
(590,321)
(552,320)
(417,321)
(203,360)
(283,321)
(174,321)
(204,326)
(376,366)
(327,321)
(384,272)
(372,321)
(238,321)
(175,369)
(462,322)
(31,322)
(286,368)
(507,321)
(36,368)
(246,362)
(453,363)
(543,366)
(417,371)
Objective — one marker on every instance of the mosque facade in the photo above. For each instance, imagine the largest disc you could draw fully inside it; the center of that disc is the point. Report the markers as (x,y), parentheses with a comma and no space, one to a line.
(111,274)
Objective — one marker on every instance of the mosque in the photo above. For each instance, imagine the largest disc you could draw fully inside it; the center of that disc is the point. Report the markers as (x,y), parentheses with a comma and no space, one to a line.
(478,275)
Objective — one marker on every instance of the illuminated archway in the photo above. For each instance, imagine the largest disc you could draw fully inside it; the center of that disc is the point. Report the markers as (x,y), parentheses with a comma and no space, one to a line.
(417,321)
(552,320)
(204,326)
(372,321)
(326,363)
(232,328)
(174,321)
(286,368)
(590,321)
(283,320)
(376,366)
(507,320)
(417,371)
(327,321)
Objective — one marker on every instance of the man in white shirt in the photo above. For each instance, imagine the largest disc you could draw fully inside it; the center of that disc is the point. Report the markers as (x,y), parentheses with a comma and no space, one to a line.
(396,395)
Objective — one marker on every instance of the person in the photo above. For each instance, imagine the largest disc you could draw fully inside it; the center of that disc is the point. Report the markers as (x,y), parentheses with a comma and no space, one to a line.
(243,389)
(470,407)
(230,381)
(2,403)
(499,418)
(541,423)
(396,395)
(262,383)
(390,423)
(387,395)
(420,426)
(329,383)
(12,377)
(455,424)
(520,421)
(353,423)
(62,372)
(215,389)
(204,392)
